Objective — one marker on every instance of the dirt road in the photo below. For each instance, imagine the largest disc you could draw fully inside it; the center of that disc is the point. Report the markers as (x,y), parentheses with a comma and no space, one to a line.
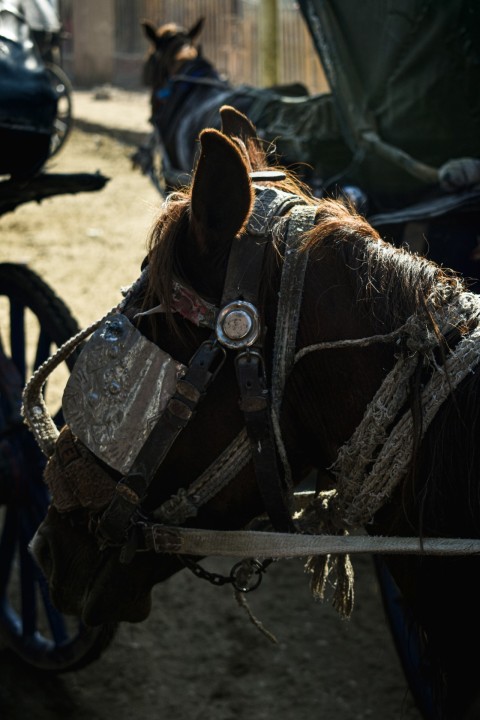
(198,656)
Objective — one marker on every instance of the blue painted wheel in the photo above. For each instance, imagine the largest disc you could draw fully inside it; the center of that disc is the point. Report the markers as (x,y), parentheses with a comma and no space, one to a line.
(33,323)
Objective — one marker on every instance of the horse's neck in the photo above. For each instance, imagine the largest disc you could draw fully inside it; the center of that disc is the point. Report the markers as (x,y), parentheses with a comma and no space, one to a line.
(184,111)
(183,91)
(330,388)
(198,67)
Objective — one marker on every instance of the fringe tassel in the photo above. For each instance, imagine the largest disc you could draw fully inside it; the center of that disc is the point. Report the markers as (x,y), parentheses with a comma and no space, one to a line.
(341,567)
(344,594)
(321,516)
(320,568)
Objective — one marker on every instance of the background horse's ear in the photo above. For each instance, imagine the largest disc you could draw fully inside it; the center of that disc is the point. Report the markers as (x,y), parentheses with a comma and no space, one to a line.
(196,29)
(236,124)
(150,30)
(222,194)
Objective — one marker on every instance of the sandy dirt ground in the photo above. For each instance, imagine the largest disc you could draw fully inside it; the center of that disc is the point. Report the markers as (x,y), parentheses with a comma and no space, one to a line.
(198,655)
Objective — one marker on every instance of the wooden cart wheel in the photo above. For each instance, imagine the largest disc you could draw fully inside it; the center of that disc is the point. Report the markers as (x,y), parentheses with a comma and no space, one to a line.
(33,322)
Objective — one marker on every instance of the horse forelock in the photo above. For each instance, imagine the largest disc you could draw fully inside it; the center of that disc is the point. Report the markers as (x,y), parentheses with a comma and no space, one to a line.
(170,30)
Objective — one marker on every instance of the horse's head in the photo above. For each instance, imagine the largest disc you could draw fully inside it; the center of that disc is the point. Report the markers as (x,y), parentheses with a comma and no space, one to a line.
(189,407)
(190,250)
(170,47)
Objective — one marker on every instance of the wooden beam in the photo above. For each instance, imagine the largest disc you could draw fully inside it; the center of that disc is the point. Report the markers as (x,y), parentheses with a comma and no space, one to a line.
(268,53)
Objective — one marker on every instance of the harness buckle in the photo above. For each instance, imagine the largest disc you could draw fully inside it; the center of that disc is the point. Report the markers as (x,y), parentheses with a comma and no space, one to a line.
(163,539)
(251,380)
(206,363)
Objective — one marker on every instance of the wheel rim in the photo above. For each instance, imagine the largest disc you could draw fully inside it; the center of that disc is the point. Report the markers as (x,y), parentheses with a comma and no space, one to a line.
(63,119)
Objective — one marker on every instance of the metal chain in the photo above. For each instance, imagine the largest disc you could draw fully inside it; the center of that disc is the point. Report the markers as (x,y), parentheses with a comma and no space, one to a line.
(245,576)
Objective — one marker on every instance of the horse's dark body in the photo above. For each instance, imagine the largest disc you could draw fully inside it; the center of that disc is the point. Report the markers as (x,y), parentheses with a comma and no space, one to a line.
(356,286)
(188,91)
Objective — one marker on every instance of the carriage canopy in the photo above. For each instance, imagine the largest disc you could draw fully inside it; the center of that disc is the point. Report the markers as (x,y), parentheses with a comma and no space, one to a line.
(407,71)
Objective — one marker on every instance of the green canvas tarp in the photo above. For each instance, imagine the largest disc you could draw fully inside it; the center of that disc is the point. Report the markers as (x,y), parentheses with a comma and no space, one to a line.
(405,83)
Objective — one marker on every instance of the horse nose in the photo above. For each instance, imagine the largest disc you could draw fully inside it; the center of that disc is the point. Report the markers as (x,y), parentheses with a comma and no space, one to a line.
(39,549)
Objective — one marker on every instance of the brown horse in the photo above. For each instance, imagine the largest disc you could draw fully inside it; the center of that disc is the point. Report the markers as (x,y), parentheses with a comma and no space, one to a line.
(187,92)
(272,334)
(304,133)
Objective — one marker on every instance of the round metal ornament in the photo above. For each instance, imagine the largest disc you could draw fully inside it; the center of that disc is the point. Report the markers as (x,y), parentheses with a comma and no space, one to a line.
(238,325)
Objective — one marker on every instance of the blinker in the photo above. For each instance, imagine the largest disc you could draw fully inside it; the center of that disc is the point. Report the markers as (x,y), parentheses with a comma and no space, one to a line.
(118,388)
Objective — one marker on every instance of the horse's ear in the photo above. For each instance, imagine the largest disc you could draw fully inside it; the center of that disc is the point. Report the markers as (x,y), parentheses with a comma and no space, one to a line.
(238,127)
(196,29)
(236,124)
(149,30)
(222,194)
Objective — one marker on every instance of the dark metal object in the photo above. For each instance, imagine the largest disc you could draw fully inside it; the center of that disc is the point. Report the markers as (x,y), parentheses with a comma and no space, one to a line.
(245,576)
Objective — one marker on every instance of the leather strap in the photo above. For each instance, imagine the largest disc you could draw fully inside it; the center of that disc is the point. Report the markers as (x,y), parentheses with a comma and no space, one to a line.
(255,403)
(242,282)
(245,264)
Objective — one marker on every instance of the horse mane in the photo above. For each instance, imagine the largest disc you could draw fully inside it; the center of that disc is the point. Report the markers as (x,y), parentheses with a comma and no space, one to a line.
(391,281)
(392,284)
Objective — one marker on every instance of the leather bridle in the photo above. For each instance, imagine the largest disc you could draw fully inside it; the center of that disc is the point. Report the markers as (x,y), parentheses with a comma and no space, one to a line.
(236,326)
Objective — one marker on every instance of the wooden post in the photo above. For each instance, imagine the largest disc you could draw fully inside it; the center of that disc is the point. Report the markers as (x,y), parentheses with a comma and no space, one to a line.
(268,54)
